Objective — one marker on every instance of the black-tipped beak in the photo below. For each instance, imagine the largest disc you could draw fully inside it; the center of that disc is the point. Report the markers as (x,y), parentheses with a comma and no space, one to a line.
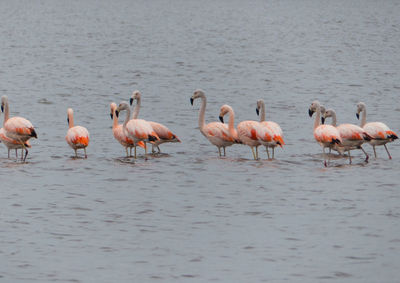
(221,119)
(310,112)
(322,120)
(130,101)
(116,113)
(257,111)
(2,108)
(111,115)
(191,101)
(358,116)
(68,121)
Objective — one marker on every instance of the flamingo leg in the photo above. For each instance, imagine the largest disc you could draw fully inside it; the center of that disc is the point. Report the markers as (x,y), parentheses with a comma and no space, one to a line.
(152,149)
(126,149)
(266,148)
(254,154)
(273,152)
(219,151)
(257,152)
(224,151)
(323,150)
(158,149)
(76,153)
(390,157)
(349,156)
(16,153)
(9,153)
(366,155)
(374,150)
(145,150)
(26,154)
(84,149)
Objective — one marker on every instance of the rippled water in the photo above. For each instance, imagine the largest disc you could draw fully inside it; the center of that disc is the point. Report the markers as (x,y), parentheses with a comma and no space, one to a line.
(188,215)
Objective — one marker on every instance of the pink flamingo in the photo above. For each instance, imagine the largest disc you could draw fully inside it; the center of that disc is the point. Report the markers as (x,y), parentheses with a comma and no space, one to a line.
(352,136)
(119,134)
(226,109)
(325,135)
(216,132)
(380,133)
(16,131)
(77,136)
(162,131)
(267,127)
(136,129)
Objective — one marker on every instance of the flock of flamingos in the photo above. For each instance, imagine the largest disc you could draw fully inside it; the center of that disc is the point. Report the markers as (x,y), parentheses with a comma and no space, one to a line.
(17,131)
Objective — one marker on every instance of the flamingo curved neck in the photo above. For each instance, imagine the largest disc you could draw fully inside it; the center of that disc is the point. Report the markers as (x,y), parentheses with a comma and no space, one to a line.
(317,117)
(115,120)
(6,112)
(202,111)
(136,110)
(70,120)
(364,117)
(262,114)
(231,125)
(128,115)
(334,118)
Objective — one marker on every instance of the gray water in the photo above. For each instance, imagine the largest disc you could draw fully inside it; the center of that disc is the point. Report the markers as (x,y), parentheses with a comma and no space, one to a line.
(188,215)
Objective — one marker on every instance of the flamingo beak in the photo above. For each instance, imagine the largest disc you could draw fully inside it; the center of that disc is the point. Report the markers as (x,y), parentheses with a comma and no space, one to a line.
(221,119)
(191,101)
(131,101)
(257,111)
(310,112)
(111,115)
(358,116)
(2,108)
(322,120)
(68,120)
(116,113)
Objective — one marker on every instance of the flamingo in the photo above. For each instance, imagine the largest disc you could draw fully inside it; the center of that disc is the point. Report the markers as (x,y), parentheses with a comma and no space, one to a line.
(269,126)
(119,134)
(77,136)
(380,133)
(162,131)
(136,129)
(16,131)
(226,109)
(14,144)
(216,132)
(325,135)
(352,136)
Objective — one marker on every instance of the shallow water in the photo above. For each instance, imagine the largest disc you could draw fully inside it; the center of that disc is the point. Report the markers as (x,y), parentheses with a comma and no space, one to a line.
(188,215)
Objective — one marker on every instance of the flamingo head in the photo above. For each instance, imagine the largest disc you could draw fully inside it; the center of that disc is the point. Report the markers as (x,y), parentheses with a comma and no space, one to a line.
(360,108)
(135,96)
(326,114)
(259,105)
(313,107)
(113,106)
(4,100)
(122,106)
(198,93)
(223,111)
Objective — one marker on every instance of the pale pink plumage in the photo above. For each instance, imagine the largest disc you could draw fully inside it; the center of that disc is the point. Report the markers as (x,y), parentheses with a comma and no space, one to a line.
(249,133)
(379,132)
(165,135)
(269,128)
(326,135)
(137,129)
(217,133)
(77,136)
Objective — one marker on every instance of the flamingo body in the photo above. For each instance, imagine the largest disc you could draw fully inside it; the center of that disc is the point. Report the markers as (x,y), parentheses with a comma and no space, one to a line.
(164,134)
(77,137)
